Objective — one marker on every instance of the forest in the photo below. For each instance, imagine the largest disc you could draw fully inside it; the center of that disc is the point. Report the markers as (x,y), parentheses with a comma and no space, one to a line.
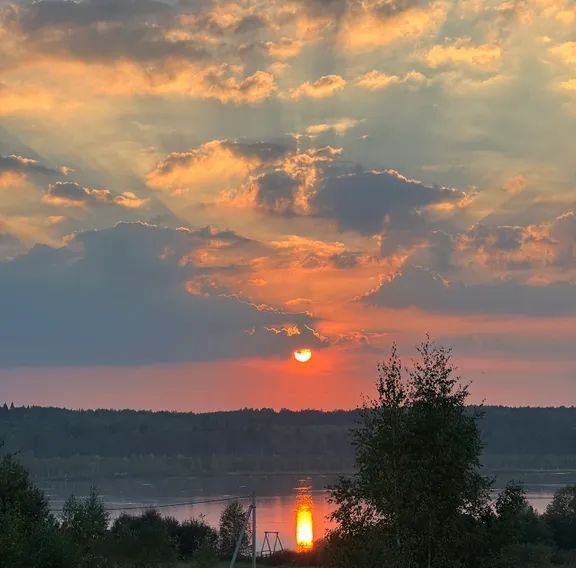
(52,442)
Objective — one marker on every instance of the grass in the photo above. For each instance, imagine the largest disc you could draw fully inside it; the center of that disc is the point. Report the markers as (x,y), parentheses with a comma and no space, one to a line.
(227,564)
(222,564)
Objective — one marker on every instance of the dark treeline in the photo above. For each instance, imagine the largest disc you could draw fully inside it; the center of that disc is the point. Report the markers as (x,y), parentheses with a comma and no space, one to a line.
(52,440)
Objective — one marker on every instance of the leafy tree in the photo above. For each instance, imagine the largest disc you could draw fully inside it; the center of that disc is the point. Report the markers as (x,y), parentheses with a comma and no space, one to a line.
(143,541)
(17,492)
(418,498)
(29,536)
(231,522)
(195,538)
(85,523)
(516,520)
(561,517)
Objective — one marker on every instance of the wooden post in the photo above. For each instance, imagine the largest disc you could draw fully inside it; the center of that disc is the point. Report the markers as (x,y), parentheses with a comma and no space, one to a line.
(253,529)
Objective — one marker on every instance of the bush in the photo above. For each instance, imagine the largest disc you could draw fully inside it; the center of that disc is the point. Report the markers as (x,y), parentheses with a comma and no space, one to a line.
(143,541)
(195,538)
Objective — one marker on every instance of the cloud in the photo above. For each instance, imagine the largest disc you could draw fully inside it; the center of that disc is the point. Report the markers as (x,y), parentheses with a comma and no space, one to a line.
(220,85)
(416,287)
(95,30)
(119,296)
(284,48)
(276,191)
(463,52)
(126,48)
(314,183)
(72,194)
(22,166)
(324,87)
(374,201)
(523,247)
(213,164)
(376,80)
(515,185)
(372,25)
(9,245)
(566,52)
(339,127)
(563,234)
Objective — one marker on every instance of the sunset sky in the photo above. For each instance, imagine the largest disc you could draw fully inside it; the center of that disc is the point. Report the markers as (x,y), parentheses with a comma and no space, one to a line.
(190,191)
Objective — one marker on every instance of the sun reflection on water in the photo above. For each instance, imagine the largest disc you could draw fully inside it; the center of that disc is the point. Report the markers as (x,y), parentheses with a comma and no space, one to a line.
(304,520)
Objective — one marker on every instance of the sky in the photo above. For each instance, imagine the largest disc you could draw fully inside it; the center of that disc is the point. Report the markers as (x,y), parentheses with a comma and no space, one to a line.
(191,190)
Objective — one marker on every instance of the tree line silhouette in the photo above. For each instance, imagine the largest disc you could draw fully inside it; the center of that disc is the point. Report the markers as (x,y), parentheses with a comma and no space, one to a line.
(54,442)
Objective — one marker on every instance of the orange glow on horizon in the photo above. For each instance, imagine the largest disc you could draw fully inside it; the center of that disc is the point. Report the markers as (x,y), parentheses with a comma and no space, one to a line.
(304,522)
(303,355)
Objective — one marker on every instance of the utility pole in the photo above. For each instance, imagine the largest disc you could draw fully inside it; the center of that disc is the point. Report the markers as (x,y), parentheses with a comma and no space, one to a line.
(251,512)
(253,529)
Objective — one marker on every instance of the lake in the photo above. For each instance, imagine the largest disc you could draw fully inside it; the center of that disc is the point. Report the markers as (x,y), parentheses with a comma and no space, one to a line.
(277,496)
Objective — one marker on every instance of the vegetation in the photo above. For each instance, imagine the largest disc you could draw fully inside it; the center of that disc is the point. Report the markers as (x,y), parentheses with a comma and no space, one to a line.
(30,537)
(418,489)
(232,521)
(56,443)
(418,500)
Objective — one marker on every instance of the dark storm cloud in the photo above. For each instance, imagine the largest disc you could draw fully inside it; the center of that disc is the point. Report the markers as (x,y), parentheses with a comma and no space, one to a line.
(338,10)
(500,238)
(275,191)
(265,151)
(118,296)
(369,201)
(346,259)
(250,24)
(422,288)
(20,164)
(437,253)
(55,13)
(95,30)
(563,235)
(70,193)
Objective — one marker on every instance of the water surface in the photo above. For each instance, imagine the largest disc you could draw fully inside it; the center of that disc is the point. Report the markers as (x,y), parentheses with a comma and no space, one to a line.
(277,496)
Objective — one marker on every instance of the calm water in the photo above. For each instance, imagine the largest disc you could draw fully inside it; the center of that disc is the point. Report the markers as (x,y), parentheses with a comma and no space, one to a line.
(276,496)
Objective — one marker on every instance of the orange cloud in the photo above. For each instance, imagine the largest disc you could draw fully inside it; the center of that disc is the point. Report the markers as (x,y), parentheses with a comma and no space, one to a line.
(8,179)
(376,80)
(463,52)
(566,52)
(217,84)
(214,165)
(339,127)
(284,48)
(568,85)
(515,185)
(324,87)
(370,29)
(30,100)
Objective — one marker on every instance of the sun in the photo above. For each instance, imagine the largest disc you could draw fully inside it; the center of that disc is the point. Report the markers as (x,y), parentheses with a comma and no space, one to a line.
(303,355)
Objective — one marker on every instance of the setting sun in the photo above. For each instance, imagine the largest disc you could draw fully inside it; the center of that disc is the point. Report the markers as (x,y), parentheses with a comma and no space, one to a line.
(303,355)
